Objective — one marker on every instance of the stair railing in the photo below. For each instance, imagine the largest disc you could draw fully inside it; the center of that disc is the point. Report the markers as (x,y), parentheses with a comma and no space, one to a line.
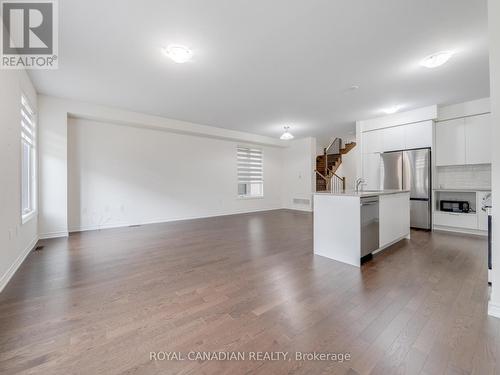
(337,184)
(333,148)
(334,183)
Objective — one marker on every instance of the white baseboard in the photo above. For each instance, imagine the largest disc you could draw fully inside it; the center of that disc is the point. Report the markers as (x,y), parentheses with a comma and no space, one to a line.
(44,236)
(303,209)
(162,220)
(4,280)
(474,232)
(405,237)
(493,309)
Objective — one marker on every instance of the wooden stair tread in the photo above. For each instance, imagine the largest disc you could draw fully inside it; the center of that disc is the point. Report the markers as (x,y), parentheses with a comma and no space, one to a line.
(334,162)
(347,147)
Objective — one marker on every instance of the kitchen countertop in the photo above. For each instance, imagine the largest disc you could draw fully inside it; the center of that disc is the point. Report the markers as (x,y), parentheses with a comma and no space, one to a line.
(366,193)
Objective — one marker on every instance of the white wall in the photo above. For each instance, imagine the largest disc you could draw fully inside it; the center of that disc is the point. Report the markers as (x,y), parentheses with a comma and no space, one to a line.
(298,179)
(53,189)
(494,26)
(53,145)
(16,239)
(122,175)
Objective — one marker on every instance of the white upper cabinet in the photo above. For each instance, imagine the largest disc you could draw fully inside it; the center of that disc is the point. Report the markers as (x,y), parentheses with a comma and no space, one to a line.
(464,141)
(393,139)
(450,142)
(418,135)
(372,142)
(403,137)
(478,139)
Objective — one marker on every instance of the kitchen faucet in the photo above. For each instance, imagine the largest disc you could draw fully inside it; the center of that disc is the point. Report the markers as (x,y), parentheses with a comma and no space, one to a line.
(359,181)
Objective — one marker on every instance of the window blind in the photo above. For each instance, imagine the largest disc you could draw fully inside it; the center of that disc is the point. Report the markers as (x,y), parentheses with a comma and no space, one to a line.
(28,144)
(250,165)
(27,122)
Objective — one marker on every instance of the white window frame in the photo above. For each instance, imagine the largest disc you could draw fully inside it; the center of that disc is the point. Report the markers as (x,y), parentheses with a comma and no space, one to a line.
(239,178)
(28,136)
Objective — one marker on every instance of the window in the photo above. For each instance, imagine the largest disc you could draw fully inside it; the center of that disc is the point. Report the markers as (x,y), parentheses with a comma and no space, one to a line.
(250,172)
(28,160)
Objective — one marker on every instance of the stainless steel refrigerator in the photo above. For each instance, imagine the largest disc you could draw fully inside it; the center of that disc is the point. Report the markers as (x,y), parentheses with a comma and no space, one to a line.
(410,170)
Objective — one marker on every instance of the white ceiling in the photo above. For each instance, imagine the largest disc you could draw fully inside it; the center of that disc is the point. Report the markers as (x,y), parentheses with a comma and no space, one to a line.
(261,64)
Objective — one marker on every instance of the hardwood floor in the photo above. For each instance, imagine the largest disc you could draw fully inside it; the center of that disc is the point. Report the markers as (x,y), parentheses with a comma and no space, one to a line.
(100,302)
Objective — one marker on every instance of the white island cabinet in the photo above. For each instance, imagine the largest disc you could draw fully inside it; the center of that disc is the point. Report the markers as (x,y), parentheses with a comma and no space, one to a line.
(349,226)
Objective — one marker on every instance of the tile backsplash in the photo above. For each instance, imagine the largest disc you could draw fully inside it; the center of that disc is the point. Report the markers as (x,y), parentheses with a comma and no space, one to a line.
(463,177)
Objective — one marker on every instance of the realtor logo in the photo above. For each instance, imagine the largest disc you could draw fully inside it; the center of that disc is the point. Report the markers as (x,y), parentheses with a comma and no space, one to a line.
(29,34)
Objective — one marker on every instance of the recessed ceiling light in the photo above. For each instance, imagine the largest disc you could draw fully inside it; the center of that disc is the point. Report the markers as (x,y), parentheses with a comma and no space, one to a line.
(436,59)
(286,136)
(178,53)
(391,110)
(354,87)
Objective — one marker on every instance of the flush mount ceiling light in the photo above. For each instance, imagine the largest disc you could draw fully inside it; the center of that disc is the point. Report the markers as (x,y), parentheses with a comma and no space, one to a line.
(286,136)
(391,110)
(179,54)
(436,59)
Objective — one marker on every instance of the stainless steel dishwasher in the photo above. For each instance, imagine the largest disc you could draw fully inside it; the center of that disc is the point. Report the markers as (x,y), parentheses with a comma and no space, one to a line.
(369,225)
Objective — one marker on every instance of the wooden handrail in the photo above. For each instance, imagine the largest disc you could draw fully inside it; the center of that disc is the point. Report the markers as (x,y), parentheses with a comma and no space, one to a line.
(320,175)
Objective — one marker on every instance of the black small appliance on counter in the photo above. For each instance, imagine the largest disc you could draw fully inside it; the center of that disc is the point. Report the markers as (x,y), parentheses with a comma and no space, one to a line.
(454,206)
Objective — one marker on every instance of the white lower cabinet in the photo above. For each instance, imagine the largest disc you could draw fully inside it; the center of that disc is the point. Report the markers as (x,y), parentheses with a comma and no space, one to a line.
(475,221)
(456,220)
(394,217)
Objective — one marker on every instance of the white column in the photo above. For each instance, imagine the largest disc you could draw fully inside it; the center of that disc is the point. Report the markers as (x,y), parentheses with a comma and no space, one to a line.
(494,44)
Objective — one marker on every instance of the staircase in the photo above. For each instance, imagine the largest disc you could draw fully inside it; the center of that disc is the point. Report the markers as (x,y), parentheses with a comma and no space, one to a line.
(328,163)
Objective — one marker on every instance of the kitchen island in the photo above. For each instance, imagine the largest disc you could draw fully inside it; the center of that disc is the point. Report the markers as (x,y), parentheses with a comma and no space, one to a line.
(349,226)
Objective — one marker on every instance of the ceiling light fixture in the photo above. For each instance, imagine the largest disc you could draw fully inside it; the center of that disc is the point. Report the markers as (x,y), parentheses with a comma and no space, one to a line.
(391,110)
(179,54)
(436,59)
(286,136)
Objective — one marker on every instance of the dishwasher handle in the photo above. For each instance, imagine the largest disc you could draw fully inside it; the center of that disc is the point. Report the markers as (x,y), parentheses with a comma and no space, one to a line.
(369,201)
